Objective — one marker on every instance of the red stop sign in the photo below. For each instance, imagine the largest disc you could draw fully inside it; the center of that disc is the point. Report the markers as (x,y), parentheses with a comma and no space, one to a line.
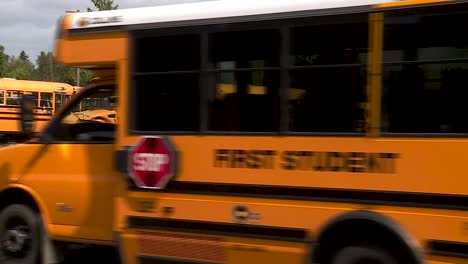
(152,162)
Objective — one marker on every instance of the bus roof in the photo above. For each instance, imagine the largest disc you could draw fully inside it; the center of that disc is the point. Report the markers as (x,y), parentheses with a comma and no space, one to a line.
(34,86)
(209,10)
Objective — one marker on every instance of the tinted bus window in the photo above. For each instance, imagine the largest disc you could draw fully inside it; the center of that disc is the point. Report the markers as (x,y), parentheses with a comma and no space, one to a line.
(425,71)
(167,83)
(328,76)
(244,81)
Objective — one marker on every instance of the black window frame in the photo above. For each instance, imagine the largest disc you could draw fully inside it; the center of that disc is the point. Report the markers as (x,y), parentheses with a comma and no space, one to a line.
(283,26)
(133,74)
(421,11)
(320,21)
(240,27)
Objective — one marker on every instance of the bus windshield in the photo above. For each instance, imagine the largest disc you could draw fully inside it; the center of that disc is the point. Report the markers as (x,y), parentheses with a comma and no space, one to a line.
(99,100)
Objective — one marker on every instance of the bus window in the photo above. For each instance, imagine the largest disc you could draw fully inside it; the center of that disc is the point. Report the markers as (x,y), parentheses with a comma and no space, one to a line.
(46,100)
(244,94)
(171,90)
(2,97)
(13,98)
(99,100)
(97,106)
(425,72)
(77,107)
(329,67)
(60,100)
(35,98)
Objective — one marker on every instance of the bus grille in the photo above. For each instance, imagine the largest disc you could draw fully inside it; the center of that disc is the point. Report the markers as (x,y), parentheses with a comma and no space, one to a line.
(201,248)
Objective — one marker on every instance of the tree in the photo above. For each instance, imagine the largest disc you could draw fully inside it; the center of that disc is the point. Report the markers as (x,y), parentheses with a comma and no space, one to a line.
(20,69)
(69,76)
(23,56)
(46,67)
(102,5)
(3,62)
(49,70)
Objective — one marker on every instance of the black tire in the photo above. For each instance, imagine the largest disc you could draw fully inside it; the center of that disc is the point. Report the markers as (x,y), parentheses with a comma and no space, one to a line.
(21,225)
(363,254)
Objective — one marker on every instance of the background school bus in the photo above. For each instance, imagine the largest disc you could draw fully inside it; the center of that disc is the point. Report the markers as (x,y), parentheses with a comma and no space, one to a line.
(48,98)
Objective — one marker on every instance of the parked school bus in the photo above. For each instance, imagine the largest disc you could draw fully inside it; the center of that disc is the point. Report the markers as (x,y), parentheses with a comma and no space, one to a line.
(48,97)
(98,107)
(77,89)
(239,136)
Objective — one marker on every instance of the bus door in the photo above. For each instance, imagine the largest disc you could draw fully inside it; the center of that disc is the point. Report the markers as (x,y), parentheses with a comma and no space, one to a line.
(71,168)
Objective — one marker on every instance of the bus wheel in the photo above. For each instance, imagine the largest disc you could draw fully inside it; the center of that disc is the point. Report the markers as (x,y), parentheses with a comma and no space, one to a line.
(19,235)
(363,255)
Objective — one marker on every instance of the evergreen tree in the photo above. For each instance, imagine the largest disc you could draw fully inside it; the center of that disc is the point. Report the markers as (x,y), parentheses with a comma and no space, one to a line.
(102,5)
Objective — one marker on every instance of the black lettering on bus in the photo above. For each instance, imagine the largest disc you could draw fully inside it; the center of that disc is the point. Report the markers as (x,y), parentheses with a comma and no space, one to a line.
(356,162)
(319,161)
(335,161)
(260,159)
(346,161)
(221,158)
(289,159)
(254,159)
(238,159)
(373,163)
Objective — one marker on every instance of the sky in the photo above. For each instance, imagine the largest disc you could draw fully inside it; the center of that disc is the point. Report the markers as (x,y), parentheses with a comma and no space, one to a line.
(30,25)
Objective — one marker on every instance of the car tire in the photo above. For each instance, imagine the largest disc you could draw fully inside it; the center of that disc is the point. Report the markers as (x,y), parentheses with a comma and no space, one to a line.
(20,235)
(361,254)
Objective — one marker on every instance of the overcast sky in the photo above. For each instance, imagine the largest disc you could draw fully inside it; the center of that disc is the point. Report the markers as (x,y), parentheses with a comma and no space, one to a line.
(30,25)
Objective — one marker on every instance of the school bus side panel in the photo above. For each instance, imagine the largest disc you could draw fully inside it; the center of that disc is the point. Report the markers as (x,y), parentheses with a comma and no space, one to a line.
(404,165)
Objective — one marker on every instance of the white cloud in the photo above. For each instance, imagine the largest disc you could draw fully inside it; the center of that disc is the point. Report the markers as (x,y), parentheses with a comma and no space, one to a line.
(30,25)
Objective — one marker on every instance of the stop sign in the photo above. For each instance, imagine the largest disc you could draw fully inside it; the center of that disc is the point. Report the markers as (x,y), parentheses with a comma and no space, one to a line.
(152,162)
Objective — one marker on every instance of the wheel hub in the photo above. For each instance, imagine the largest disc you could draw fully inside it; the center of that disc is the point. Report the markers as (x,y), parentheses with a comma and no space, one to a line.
(15,239)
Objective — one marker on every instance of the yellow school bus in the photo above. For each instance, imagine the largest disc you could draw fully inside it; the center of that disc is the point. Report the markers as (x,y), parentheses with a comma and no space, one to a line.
(48,98)
(99,107)
(306,131)
(77,89)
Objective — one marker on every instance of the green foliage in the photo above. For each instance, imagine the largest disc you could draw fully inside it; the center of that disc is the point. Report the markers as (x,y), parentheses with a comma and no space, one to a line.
(20,67)
(3,62)
(102,5)
(23,56)
(46,69)
(70,76)
(44,66)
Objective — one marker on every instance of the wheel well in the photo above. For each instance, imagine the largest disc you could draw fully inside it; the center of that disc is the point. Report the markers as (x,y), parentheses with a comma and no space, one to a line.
(17,196)
(363,231)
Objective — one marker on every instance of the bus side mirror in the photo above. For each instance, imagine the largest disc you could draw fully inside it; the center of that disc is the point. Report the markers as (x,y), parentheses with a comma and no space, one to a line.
(27,114)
